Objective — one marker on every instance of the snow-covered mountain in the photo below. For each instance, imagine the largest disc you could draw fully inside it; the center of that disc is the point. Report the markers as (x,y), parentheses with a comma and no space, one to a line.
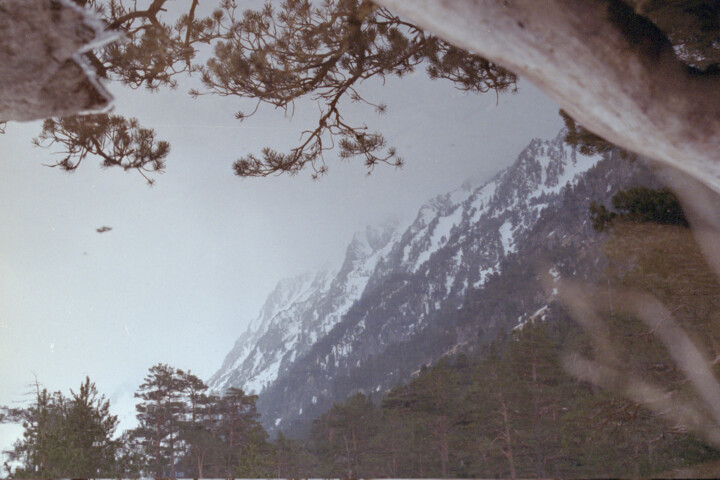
(459,238)
(298,312)
(387,310)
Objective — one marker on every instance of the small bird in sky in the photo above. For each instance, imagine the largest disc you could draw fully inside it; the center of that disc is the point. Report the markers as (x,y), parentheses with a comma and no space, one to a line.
(103,229)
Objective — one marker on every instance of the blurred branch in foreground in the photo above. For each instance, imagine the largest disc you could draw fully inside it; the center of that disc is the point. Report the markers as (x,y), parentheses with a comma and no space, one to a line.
(699,413)
(693,402)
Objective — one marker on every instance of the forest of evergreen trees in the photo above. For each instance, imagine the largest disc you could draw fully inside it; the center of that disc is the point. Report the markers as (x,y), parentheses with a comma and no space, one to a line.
(510,409)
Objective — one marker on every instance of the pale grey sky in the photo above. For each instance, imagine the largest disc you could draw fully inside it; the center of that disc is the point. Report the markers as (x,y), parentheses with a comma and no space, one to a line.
(189,261)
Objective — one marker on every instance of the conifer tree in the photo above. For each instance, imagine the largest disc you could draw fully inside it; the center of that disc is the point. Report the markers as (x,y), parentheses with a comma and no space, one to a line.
(117,141)
(275,56)
(68,436)
(293,458)
(494,416)
(195,436)
(90,429)
(160,414)
(432,400)
(533,365)
(407,439)
(343,436)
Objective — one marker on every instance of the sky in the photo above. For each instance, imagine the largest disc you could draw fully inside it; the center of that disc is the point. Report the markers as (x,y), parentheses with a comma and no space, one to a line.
(189,261)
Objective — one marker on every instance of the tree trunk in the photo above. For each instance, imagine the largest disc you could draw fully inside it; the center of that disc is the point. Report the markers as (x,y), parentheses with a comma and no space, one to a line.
(42,70)
(442,435)
(347,452)
(618,80)
(201,461)
(506,436)
(537,427)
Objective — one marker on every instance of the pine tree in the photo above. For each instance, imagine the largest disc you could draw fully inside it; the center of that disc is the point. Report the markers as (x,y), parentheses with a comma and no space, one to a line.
(160,414)
(343,436)
(68,436)
(196,438)
(90,430)
(431,401)
(534,369)
(639,205)
(184,431)
(274,56)
(238,417)
(493,416)
(293,458)
(117,141)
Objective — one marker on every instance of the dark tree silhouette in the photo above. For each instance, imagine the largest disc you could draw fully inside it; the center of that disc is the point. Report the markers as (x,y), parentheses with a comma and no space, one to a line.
(67,436)
(117,141)
(325,53)
(640,205)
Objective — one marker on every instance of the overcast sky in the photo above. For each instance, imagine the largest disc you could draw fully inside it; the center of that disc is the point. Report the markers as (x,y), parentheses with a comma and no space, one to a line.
(189,262)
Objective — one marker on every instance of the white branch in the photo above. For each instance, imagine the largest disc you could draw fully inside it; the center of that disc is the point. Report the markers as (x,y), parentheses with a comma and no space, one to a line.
(574,51)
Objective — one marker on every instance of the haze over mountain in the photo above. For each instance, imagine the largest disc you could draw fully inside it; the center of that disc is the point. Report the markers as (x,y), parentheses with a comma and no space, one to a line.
(406,296)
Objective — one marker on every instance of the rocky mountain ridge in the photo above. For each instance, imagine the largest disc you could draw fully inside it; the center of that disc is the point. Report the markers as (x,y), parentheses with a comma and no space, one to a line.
(298,312)
(412,294)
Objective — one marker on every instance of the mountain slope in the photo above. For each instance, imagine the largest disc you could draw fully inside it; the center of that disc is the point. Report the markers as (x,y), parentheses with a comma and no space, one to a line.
(425,296)
(298,312)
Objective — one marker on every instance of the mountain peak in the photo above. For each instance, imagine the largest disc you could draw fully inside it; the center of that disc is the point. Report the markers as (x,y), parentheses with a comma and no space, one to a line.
(366,245)
(377,236)
(396,282)
(286,291)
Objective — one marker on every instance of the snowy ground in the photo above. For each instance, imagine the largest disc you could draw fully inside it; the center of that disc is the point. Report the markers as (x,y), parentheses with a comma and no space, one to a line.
(9,433)
(122,404)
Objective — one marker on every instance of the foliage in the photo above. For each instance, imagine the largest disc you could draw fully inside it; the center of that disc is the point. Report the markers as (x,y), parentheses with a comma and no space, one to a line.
(587,142)
(693,27)
(68,436)
(275,56)
(325,52)
(342,436)
(293,458)
(160,413)
(184,431)
(514,413)
(600,216)
(153,52)
(640,204)
(116,140)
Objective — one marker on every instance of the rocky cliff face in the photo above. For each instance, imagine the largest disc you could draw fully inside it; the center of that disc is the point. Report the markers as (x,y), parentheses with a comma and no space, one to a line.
(402,299)
(298,312)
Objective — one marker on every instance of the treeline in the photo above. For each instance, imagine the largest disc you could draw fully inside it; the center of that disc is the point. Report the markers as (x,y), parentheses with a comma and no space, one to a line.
(505,411)
(65,436)
(512,410)
(183,431)
(513,413)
